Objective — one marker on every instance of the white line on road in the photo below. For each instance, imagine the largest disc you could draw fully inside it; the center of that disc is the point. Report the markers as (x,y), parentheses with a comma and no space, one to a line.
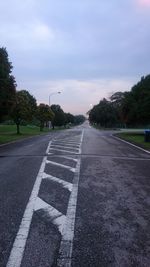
(63,183)
(67,143)
(65,252)
(65,157)
(65,151)
(55,217)
(64,146)
(61,165)
(17,251)
(131,144)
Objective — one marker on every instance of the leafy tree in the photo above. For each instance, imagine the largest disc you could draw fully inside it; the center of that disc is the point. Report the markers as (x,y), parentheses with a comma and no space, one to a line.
(103,114)
(24,108)
(44,114)
(78,119)
(7,84)
(136,103)
(69,118)
(59,118)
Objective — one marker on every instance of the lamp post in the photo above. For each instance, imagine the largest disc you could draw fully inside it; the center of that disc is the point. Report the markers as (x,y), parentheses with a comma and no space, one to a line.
(54,93)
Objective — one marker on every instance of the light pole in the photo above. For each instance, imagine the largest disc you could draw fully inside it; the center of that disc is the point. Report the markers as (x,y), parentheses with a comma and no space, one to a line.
(54,93)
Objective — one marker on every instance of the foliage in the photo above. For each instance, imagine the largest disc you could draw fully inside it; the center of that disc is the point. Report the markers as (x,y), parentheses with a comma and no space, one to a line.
(44,114)
(24,108)
(130,109)
(136,103)
(59,119)
(69,118)
(7,84)
(78,119)
(103,114)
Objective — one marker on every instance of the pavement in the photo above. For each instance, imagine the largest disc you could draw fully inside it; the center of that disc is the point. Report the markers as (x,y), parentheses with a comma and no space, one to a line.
(78,198)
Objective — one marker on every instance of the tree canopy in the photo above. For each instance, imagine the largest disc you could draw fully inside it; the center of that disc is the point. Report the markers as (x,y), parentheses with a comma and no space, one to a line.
(24,108)
(44,114)
(59,118)
(7,84)
(130,108)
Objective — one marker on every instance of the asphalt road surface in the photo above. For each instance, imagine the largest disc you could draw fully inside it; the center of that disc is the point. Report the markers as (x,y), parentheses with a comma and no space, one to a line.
(74,198)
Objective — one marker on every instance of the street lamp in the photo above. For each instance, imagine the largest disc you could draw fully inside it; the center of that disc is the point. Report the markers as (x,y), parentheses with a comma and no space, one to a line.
(54,93)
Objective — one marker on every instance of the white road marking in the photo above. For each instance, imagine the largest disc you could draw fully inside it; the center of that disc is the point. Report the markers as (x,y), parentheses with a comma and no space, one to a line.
(61,165)
(56,217)
(63,150)
(67,143)
(63,183)
(65,157)
(17,251)
(131,144)
(64,146)
(66,245)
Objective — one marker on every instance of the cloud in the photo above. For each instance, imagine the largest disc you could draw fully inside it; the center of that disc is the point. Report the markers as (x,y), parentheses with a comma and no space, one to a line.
(85,48)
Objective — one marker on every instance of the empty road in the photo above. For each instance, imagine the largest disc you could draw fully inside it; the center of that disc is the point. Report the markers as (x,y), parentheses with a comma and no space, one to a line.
(74,198)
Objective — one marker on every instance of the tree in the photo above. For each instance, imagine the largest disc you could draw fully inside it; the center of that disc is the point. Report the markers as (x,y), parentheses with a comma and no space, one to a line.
(24,108)
(69,118)
(78,119)
(59,118)
(7,84)
(136,103)
(44,114)
(103,114)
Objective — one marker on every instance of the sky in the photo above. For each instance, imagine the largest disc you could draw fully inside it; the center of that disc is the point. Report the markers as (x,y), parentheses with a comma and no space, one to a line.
(86,49)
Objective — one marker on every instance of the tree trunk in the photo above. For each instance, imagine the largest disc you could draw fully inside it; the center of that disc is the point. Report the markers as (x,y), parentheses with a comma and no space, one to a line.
(41,127)
(18,128)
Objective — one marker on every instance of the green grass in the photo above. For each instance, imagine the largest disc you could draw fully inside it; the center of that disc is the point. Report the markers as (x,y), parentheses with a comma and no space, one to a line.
(135,138)
(8,132)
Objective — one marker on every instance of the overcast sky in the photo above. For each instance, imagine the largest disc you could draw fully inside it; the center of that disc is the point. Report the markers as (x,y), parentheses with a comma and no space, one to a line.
(87,49)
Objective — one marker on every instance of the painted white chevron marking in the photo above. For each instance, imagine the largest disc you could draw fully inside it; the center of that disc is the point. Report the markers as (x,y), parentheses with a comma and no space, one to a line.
(67,143)
(63,150)
(66,147)
(66,245)
(67,140)
(61,165)
(56,217)
(17,251)
(63,183)
(65,157)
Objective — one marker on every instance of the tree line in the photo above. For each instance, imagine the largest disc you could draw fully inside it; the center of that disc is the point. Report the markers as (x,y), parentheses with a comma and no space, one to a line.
(21,106)
(124,109)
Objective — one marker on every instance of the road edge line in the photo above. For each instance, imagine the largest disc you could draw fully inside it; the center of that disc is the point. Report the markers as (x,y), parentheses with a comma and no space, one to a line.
(129,143)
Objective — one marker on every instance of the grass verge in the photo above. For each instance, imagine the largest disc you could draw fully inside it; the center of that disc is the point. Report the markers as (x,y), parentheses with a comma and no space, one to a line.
(8,132)
(135,138)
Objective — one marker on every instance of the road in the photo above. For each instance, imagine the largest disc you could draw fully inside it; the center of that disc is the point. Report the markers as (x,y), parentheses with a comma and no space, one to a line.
(78,198)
